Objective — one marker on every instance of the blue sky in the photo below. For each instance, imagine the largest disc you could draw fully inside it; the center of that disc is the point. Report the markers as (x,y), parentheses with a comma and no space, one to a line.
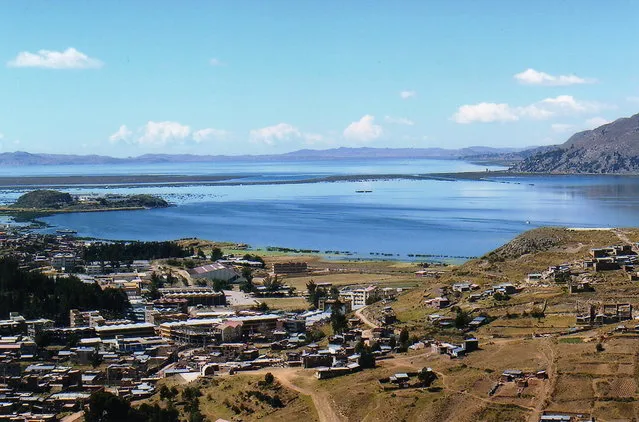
(256,77)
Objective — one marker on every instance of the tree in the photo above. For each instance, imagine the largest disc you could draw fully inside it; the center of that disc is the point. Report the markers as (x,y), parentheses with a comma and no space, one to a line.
(315,293)
(246,286)
(334,292)
(366,356)
(403,335)
(315,335)
(462,318)
(404,340)
(42,339)
(256,258)
(165,393)
(338,318)
(107,407)
(219,285)
(262,307)
(96,360)
(426,376)
(216,253)
(311,288)
(247,273)
(200,253)
(272,284)
(269,378)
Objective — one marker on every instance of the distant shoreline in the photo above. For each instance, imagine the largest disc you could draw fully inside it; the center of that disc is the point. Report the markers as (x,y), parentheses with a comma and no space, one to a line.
(34,182)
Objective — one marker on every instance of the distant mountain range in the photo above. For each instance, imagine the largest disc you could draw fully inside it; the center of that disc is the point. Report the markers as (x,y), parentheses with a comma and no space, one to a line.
(609,149)
(476,153)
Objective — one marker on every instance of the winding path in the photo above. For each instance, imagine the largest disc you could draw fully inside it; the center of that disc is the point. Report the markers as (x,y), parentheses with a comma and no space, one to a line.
(325,407)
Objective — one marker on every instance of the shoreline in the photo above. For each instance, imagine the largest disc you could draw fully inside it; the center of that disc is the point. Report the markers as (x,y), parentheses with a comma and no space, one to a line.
(158,180)
(33,182)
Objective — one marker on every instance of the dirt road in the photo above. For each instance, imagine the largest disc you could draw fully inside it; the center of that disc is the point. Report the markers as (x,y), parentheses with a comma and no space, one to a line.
(362,317)
(323,404)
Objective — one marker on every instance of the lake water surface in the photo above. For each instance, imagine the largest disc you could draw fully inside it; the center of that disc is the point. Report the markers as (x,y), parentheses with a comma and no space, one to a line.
(399,217)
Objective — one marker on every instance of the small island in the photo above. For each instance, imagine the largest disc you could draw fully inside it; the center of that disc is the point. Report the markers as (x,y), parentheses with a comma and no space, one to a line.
(47,202)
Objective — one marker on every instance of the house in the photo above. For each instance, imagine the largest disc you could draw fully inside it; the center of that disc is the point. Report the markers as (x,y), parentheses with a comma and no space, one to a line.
(533,277)
(505,288)
(477,322)
(438,302)
(230,331)
(317,360)
(582,287)
(511,375)
(462,287)
(401,379)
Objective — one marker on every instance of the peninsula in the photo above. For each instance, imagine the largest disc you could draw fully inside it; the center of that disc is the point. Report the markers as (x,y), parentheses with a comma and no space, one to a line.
(46,202)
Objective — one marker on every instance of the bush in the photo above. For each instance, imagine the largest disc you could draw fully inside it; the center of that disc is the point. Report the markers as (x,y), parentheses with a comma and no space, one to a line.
(269,378)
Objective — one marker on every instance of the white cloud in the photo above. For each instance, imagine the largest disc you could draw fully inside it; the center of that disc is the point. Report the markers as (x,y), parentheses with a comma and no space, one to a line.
(632,99)
(562,105)
(364,129)
(399,120)
(484,112)
(49,59)
(568,103)
(407,94)
(561,127)
(313,138)
(162,133)
(216,62)
(123,134)
(534,77)
(595,122)
(208,134)
(279,132)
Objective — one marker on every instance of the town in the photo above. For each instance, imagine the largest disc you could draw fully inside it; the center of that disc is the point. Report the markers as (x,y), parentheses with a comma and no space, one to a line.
(87,321)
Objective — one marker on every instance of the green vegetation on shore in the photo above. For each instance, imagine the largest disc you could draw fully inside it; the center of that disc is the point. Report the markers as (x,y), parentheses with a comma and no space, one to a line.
(39,203)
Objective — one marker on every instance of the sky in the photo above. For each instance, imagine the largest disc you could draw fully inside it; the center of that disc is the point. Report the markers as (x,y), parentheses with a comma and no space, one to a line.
(126,78)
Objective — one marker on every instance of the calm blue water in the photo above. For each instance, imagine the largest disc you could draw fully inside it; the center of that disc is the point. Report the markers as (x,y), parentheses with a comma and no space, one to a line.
(455,218)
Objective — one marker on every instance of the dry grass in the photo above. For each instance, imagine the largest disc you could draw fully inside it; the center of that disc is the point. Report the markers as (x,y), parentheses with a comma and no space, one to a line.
(582,379)
(286,303)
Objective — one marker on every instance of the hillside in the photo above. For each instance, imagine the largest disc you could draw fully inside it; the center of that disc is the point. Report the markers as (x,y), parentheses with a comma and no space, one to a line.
(609,149)
(592,370)
(49,201)
(44,199)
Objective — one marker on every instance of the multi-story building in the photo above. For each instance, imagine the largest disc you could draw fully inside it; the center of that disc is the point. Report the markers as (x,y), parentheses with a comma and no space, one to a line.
(79,318)
(290,267)
(359,296)
(64,260)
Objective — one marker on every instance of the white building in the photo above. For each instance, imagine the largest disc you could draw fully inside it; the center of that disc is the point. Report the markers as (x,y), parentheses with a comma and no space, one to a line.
(359,296)
(216,271)
(63,260)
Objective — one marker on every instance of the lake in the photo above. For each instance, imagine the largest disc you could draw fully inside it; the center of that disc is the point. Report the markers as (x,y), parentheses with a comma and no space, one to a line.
(398,217)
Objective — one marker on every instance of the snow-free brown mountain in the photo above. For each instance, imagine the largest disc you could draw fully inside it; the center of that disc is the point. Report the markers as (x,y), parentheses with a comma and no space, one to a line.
(609,149)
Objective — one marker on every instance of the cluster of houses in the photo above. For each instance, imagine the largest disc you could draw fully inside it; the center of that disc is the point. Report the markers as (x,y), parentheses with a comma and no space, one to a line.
(612,258)
(442,301)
